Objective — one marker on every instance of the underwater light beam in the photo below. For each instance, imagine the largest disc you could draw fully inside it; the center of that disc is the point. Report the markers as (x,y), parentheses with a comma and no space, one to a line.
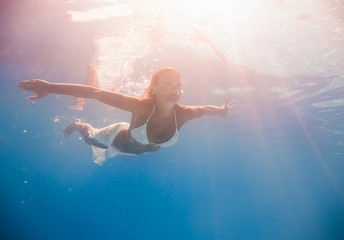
(317,152)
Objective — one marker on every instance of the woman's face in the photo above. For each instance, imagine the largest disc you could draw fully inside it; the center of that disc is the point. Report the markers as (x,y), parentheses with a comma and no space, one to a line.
(168,87)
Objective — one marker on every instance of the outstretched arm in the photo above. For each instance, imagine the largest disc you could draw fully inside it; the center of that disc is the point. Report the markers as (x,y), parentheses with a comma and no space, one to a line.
(192,112)
(42,88)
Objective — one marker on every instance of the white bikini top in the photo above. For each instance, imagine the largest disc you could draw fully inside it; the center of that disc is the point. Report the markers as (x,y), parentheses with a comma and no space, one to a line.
(140,133)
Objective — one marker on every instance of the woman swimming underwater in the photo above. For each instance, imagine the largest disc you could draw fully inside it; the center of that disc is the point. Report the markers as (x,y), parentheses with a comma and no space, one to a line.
(156,117)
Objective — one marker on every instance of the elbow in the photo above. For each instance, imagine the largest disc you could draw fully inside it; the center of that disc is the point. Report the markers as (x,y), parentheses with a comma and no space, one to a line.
(96,94)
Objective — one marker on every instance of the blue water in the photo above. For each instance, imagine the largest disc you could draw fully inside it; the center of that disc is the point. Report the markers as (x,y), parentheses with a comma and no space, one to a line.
(274,171)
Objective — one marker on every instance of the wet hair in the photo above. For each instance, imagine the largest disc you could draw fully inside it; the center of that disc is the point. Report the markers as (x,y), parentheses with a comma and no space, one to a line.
(148,93)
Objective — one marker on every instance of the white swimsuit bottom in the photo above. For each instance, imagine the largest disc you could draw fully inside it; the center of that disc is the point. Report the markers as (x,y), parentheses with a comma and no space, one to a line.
(106,136)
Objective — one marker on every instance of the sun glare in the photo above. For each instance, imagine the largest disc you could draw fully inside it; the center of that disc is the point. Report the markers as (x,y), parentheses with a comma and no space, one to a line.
(102,13)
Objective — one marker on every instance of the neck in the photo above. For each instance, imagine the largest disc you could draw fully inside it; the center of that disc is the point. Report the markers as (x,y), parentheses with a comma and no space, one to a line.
(164,109)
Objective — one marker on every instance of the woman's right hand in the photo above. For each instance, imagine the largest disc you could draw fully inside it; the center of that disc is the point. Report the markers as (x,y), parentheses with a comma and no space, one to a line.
(39,87)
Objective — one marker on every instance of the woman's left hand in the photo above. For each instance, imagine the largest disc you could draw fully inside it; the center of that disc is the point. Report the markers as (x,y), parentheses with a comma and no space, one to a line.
(226,109)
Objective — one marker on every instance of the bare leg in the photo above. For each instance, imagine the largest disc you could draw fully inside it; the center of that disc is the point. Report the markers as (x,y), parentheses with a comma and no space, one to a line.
(83,129)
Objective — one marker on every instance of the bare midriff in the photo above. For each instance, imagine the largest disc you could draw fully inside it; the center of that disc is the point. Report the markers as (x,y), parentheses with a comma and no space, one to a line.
(125,143)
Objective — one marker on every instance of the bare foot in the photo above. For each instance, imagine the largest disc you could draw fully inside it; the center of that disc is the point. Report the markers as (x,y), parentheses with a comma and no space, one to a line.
(68,130)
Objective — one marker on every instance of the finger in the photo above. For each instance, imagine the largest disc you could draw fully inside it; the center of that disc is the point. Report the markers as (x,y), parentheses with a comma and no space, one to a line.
(25,84)
(231,104)
(22,84)
(33,98)
(226,101)
(27,81)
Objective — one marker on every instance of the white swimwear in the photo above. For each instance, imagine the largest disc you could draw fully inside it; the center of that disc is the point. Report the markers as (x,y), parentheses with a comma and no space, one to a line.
(140,133)
(106,136)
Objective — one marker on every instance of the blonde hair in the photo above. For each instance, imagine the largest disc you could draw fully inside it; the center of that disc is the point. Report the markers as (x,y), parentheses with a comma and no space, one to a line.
(148,93)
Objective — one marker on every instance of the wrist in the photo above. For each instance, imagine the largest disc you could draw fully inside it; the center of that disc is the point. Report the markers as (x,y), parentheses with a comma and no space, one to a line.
(50,88)
(222,111)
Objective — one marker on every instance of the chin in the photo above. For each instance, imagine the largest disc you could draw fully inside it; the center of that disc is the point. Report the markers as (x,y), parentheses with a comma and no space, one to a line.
(173,99)
(170,99)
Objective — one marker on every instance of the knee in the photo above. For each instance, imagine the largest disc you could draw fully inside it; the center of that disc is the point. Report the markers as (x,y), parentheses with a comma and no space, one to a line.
(88,140)
(94,142)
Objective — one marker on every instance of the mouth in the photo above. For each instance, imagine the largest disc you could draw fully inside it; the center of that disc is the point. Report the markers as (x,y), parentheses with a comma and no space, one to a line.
(174,93)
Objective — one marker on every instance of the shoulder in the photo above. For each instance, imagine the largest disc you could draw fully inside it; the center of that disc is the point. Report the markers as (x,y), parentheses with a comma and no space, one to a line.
(183,113)
(144,106)
(180,109)
(188,113)
(184,109)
